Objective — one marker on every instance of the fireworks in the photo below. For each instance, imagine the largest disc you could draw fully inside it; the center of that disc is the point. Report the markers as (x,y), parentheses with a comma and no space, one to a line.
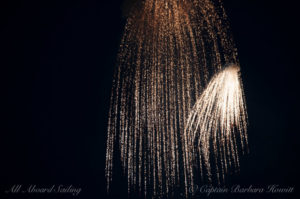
(216,123)
(169,51)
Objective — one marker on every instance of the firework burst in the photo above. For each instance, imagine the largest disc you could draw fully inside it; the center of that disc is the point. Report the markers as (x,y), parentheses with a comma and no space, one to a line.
(217,125)
(169,51)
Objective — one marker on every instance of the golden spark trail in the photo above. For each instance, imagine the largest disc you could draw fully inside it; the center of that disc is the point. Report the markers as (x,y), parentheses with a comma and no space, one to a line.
(169,51)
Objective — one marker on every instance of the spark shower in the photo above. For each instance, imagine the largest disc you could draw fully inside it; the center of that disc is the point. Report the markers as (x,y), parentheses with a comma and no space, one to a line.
(177,107)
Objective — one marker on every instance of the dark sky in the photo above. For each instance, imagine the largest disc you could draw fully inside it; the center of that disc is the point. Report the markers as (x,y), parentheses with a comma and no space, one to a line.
(58,57)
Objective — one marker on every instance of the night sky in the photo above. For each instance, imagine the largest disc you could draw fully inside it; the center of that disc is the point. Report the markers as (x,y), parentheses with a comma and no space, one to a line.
(58,59)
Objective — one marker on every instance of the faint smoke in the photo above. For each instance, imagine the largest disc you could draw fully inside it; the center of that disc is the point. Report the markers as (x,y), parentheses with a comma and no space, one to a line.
(129,5)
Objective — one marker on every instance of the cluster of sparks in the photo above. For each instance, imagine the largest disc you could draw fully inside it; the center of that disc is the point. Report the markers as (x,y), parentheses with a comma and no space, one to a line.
(216,117)
(160,115)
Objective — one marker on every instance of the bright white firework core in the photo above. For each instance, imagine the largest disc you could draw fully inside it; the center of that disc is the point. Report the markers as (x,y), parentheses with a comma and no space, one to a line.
(215,125)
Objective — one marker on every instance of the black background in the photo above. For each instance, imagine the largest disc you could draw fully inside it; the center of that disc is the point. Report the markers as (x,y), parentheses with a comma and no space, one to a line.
(57,61)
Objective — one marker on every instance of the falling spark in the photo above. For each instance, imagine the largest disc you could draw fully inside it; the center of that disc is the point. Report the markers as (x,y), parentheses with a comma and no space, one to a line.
(168,52)
(216,123)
